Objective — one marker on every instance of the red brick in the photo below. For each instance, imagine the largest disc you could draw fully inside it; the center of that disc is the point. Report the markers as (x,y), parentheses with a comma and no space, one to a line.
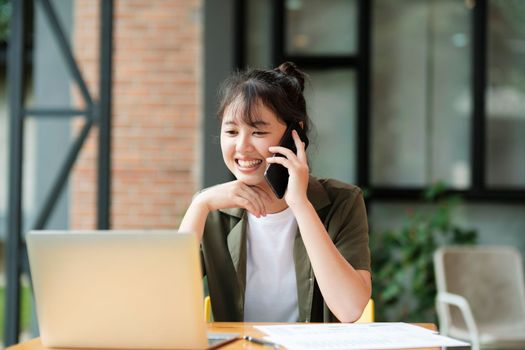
(156,109)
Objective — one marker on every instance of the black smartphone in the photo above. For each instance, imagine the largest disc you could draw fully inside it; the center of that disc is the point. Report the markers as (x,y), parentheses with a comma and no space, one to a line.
(277,175)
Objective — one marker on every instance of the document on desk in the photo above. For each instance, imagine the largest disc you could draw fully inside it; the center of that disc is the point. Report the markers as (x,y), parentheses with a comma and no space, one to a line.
(378,335)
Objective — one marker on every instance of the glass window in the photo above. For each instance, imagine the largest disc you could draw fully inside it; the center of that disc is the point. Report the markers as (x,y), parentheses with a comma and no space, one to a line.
(258,34)
(331,105)
(319,27)
(421,93)
(506,94)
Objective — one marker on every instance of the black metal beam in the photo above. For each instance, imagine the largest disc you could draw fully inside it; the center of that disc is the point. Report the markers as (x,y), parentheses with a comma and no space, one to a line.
(58,112)
(278,32)
(479,84)
(65,48)
(324,61)
(416,194)
(240,33)
(60,181)
(15,71)
(15,255)
(104,146)
(364,84)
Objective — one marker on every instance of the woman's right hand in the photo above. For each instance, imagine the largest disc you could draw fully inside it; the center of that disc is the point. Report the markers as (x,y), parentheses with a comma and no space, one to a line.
(235,194)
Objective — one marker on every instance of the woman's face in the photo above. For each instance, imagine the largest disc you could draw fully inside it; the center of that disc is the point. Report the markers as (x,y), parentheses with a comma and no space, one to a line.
(245,147)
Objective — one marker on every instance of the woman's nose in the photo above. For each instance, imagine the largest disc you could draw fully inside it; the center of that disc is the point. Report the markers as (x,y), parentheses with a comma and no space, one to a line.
(243,143)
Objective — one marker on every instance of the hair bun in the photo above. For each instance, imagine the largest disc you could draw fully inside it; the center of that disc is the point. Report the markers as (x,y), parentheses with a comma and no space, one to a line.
(291,70)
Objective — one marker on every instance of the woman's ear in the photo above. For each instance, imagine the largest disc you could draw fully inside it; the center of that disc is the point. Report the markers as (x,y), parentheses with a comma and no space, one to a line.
(301,124)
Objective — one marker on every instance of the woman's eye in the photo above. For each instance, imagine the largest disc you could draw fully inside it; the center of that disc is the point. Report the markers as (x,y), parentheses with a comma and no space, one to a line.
(230,132)
(260,133)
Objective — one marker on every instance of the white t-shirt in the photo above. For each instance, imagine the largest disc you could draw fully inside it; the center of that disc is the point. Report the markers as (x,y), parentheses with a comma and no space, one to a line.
(271,285)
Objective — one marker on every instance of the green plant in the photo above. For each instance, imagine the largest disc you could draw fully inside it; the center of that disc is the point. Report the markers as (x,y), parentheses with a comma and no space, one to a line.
(404,287)
(5,17)
(26,307)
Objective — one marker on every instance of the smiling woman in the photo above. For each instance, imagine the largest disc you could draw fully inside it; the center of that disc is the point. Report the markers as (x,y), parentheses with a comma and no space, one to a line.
(245,147)
(303,257)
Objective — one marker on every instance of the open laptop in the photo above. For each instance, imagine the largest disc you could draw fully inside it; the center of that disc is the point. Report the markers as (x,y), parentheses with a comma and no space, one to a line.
(119,289)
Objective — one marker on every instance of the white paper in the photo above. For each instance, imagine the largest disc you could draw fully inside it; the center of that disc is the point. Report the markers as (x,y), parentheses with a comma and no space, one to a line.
(337,336)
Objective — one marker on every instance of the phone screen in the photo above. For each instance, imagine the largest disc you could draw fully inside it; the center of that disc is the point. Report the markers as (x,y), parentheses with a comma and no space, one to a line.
(277,175)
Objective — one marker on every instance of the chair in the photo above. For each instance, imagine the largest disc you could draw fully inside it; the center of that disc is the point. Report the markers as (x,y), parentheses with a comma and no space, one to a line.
(368,313)
(207,309)
(481,295)
(366,316)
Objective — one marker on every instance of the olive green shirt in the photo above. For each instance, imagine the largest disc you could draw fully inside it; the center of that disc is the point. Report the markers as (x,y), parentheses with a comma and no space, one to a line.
(342,210)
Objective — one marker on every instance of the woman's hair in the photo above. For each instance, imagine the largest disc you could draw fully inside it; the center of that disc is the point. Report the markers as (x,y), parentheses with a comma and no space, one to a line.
(279,89)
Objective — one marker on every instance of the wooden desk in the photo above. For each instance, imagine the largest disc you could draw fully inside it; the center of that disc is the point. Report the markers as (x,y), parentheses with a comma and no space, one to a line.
(217,327)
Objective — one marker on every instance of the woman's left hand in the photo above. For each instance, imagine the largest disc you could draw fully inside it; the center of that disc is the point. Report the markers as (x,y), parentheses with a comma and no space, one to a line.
(297,166)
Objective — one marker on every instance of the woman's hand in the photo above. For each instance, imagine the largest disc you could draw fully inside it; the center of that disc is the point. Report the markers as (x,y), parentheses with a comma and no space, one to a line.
(297,166)
(235,194)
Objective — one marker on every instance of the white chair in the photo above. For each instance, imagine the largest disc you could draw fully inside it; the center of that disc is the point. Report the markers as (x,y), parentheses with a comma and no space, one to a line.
(481,295)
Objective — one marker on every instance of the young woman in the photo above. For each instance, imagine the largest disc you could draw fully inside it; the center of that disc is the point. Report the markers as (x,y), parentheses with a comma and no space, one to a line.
(304,257)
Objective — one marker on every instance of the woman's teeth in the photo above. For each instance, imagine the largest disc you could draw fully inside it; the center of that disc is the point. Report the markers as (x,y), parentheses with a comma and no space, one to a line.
(248,163)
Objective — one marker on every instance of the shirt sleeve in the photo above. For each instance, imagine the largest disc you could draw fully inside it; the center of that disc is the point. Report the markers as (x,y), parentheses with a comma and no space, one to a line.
(349,225)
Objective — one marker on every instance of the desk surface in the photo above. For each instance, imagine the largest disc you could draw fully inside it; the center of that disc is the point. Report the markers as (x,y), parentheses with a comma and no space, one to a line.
(218,327)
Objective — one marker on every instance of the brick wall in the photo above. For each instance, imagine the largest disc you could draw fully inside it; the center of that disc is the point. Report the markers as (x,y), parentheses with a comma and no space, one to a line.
(156,107)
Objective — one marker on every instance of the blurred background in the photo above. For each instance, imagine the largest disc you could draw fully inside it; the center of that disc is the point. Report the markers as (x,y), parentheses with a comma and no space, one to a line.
(419,102)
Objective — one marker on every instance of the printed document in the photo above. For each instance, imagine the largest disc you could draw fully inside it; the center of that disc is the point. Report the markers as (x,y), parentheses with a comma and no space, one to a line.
(339,336)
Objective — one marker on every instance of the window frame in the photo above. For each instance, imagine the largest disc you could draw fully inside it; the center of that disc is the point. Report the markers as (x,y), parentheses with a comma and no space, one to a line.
(478,191)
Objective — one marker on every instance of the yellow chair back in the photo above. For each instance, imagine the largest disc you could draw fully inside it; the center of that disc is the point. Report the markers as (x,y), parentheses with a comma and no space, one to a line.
(368,313)
(207,309)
